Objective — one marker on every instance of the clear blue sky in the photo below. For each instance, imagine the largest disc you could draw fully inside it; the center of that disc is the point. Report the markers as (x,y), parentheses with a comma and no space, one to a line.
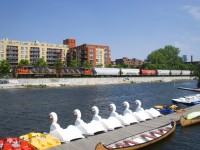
(132,28)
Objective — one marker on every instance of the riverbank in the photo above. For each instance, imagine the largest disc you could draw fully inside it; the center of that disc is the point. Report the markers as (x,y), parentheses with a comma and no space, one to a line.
(63,82)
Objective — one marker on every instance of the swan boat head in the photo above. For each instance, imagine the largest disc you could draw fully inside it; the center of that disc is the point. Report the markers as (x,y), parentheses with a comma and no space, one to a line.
(138,103)
(77,113)
(126,106)
(112,107)
(54,118)
(95,110)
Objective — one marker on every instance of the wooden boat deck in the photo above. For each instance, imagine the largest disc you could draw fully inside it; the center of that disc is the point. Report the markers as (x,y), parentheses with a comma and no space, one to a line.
(90,142)
(190,89)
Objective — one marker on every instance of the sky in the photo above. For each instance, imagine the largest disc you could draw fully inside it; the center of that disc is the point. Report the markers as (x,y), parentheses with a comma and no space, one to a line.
(131,28)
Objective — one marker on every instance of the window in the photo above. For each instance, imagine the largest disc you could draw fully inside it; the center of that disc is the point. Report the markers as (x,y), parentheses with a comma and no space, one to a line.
(43,53)
(2,55)
(26,56)
(1,51)
(22,48)
(25,48)
(22,56)
(22,52)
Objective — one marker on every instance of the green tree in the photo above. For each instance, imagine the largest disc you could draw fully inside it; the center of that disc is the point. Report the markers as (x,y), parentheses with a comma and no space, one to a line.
(99,65)
(121,65)
(23,62)
(86,64)
(73,63)
(58,65)
(109,66)
(4,68)
(40,62)
(166,58)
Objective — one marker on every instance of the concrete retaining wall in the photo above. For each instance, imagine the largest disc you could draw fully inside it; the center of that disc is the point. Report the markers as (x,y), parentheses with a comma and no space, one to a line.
(62,82)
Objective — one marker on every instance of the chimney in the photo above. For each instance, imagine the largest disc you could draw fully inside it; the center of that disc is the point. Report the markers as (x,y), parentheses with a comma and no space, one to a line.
(70,42)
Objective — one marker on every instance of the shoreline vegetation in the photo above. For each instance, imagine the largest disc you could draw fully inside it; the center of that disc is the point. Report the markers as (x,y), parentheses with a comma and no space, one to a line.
(66,82)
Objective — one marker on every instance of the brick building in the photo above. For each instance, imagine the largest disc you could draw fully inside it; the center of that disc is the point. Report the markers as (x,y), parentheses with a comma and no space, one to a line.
(96,55)
(130,62)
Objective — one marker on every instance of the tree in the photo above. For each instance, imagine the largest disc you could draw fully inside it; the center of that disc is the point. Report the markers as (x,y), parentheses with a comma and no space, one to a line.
(86,64)
(73,63)
(23,62)
(165,58)
(58,65)
(40,62)
(121,65)
(99,65)
(109,66)
(4,68)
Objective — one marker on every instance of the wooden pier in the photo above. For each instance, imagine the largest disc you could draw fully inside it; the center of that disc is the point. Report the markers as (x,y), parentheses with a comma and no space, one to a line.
(190,89)
(90,142)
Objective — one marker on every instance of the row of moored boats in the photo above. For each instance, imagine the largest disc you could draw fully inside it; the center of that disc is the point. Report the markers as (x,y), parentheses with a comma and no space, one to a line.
(97,125)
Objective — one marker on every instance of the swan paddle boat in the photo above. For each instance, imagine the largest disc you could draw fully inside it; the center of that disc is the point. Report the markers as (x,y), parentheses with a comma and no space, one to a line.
(91,128)
(192,118)
(140,140)
(40,141)
(141,112)
(63,135)
(15,144)
(124,120)
(188,100)
(127,112)
(108,124)
(153,113)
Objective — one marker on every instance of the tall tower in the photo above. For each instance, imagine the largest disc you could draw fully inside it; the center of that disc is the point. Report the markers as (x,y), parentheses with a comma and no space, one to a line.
(184,58)
(70,42)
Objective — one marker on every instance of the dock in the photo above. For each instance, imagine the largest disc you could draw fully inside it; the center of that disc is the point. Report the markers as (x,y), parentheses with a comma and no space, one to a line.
(190,89)
(90,142)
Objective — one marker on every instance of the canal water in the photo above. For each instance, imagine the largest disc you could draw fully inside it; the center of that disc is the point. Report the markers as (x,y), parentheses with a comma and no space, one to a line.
(26,110)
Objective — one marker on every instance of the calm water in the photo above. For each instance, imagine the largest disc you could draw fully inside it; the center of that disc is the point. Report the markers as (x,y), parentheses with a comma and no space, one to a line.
(26,110)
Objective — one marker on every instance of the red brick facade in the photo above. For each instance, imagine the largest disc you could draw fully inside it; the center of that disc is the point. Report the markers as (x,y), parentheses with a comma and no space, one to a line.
(94,54)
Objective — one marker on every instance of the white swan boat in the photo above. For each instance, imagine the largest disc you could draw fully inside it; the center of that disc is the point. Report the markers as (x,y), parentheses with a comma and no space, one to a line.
(141,112)
(108,124)
(125,120)
(87,128)
(63,135)
(128,113)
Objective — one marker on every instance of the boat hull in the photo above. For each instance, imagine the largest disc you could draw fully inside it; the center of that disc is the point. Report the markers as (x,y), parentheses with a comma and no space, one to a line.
(101,146)
(187,104)
(185,122)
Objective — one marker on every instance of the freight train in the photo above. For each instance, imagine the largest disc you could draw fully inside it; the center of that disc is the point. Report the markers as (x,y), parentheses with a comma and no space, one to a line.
(30,71)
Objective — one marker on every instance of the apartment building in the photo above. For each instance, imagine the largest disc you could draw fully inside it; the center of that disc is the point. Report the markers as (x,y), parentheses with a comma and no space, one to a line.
(130,62)
(96,55)
(13,51)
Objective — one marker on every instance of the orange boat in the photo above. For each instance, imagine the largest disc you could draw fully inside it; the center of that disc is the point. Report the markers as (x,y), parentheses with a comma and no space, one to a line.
(14,144)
